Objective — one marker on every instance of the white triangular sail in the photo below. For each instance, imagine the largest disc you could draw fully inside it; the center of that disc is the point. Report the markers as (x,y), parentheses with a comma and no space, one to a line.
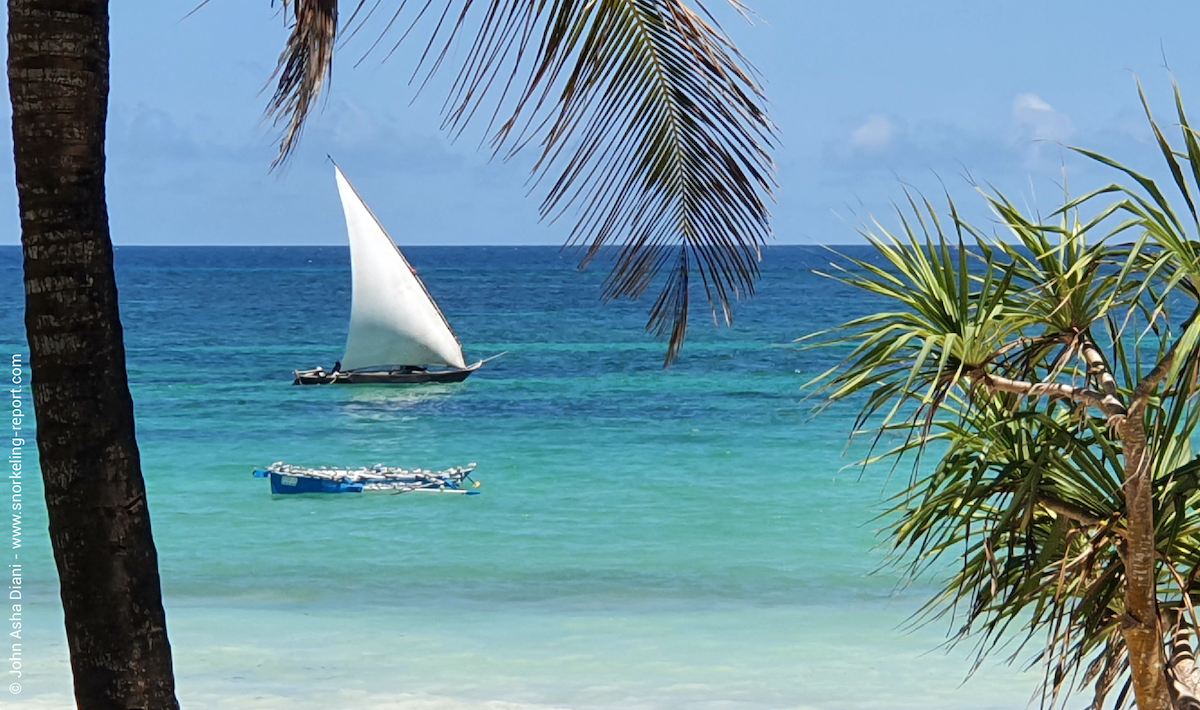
(393,320)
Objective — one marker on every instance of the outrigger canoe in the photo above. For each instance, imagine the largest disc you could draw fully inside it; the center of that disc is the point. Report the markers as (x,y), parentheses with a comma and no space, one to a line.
(288,479)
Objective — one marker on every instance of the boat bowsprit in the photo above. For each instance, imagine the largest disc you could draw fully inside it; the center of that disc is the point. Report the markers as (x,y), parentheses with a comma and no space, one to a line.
(289,479)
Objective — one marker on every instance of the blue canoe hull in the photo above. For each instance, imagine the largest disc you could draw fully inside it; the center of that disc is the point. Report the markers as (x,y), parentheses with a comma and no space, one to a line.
(282,484)
(285,485)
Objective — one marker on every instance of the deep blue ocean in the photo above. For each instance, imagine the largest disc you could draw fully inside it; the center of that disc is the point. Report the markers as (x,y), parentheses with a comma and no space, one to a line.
(654,539)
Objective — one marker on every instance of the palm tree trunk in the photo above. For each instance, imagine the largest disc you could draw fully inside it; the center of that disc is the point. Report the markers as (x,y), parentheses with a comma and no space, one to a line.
(95,496)
(1141,628)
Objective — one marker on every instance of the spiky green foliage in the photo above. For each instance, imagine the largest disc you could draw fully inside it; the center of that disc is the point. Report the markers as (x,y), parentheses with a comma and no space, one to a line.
(1022,366)
(646,119)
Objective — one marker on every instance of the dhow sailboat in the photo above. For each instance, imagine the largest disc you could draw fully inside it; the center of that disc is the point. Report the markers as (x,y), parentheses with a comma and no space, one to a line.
(397,332)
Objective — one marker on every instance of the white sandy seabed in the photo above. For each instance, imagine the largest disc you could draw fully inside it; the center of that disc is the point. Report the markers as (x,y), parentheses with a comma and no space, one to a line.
(531,659)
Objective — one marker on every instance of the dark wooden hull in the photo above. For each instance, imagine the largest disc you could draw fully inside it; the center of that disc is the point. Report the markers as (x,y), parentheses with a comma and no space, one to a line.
(382,377)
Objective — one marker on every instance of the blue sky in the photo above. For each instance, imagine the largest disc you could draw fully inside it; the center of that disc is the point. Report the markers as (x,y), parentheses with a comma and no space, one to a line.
(867,95)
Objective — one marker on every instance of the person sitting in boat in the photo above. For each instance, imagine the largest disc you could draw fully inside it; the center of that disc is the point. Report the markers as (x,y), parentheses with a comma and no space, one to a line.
(408,369)
(337,367)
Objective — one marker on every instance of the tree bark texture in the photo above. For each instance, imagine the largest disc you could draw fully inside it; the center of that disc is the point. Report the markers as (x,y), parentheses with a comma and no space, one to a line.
(1141,628)
(1154,687)
(96,499)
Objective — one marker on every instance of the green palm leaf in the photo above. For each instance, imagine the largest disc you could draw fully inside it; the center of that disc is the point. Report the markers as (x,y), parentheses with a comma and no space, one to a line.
(647,121)
(1034,365)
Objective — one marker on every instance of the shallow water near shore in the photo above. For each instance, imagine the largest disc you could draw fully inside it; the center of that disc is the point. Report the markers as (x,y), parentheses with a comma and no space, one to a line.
(649,539)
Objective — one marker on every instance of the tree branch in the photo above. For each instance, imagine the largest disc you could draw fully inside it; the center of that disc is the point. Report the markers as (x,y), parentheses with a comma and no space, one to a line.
(1146,387)
(1106,403)
(1068,510)
(1097,367)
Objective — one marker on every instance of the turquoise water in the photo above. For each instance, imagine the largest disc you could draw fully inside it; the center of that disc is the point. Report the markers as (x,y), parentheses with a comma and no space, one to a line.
(645,539)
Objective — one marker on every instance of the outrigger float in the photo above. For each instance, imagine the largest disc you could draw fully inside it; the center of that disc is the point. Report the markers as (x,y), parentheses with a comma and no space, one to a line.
(288,479)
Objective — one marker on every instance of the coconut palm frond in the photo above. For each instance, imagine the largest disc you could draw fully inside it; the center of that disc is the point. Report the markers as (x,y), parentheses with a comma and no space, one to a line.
(303,67)
(650,123)
(647,121)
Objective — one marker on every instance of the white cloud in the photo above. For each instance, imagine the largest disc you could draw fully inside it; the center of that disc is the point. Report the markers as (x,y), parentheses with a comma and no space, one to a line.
(1037,120)
(874,135)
